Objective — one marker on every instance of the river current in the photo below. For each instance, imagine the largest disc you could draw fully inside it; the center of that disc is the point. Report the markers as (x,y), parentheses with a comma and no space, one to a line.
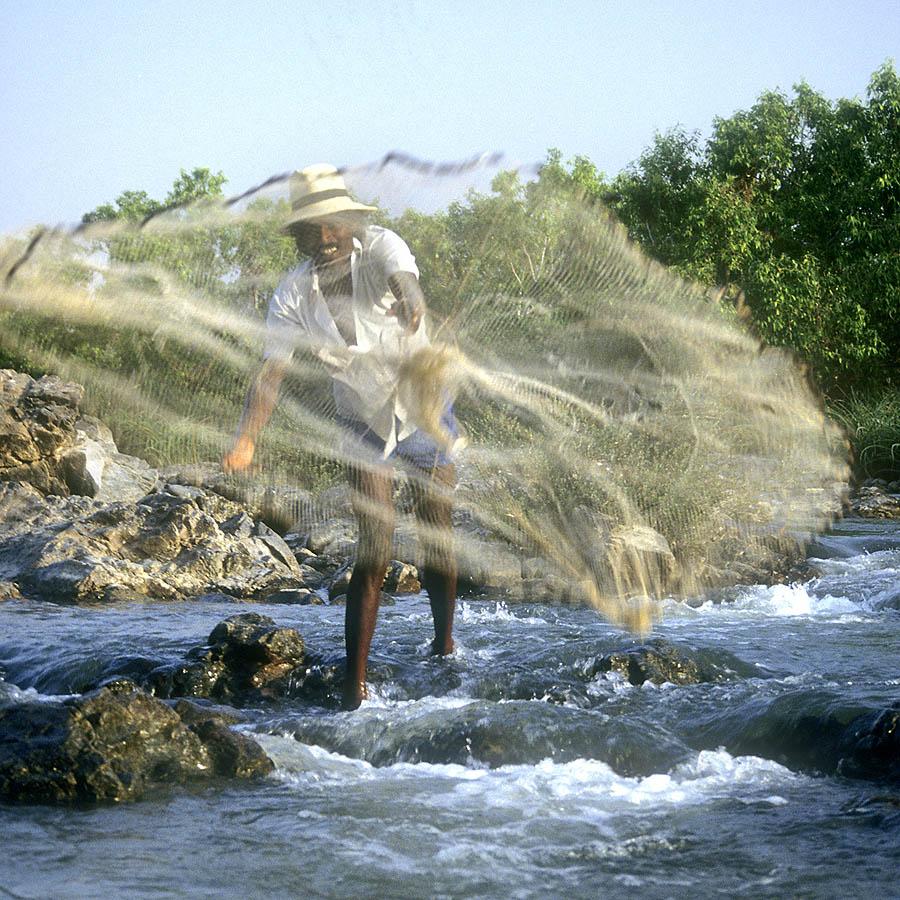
(514,769)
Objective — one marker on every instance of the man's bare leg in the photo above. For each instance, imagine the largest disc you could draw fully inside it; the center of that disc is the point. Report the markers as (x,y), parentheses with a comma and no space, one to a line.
(433,511)
(374,508)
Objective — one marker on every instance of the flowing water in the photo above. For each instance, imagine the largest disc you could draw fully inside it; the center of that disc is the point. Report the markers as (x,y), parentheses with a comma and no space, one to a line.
(511,770)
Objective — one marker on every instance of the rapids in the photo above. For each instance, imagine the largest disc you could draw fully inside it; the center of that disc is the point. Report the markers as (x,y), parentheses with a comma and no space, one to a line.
(512,769)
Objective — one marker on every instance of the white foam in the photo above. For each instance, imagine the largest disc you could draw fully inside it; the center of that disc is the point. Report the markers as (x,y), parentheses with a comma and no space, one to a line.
(582,787)
(481,614)
(880,561)
(379,701)
(783,600)
(304,763)
(12,694)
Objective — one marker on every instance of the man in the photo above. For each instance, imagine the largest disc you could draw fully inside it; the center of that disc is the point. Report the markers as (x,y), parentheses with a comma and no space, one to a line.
(356,302)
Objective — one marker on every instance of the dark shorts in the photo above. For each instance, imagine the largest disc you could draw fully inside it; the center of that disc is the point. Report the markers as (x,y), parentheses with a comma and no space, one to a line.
(419,449)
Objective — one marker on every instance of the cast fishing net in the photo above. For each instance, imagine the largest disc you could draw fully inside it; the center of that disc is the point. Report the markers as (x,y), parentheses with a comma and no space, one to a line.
(626,437)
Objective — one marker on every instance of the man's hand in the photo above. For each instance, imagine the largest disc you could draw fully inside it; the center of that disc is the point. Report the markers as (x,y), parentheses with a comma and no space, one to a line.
(408,316)
(258,406)
(239,457)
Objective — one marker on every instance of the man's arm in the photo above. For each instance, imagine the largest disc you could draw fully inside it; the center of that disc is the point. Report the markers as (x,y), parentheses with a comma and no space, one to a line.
(258,406)
(410,300)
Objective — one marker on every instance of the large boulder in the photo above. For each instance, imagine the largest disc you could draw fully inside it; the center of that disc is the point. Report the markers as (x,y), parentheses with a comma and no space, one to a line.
(660,662)
(173,543)
(45,441)
(94,467)
(809,730)
(247,657)
(115,746)
(37,429)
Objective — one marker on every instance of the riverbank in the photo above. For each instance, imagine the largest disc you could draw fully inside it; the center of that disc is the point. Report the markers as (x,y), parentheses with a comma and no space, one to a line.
(82,522)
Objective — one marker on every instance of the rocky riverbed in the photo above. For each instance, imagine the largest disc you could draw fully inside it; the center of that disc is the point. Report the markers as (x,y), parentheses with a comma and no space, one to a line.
(82,524)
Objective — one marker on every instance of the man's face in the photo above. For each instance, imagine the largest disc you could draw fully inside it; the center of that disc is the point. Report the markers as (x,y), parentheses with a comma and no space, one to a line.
(329,241)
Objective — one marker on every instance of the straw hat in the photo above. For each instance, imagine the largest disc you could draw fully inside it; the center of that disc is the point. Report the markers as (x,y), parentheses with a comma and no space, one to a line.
(318,191)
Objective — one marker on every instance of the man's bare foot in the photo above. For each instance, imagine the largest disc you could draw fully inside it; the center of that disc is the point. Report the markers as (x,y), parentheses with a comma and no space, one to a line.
(353,695)
(442,648)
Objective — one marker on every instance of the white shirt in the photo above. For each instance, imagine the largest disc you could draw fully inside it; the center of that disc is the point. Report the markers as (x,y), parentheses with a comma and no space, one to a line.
(366,375)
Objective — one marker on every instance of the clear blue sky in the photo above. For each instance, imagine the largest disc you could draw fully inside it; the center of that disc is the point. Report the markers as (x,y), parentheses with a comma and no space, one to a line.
(100,97)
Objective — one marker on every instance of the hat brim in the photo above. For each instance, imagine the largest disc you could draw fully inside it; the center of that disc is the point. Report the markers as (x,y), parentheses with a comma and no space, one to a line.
(330,207)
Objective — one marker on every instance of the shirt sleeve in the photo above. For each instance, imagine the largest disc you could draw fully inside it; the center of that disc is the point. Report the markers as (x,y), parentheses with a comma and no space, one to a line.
(390,253)
(286,327)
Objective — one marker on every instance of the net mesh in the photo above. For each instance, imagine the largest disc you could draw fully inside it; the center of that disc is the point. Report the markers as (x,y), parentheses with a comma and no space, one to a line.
(627,438)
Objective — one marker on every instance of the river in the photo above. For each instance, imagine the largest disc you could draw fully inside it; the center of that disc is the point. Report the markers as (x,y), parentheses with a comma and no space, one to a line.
(513,769)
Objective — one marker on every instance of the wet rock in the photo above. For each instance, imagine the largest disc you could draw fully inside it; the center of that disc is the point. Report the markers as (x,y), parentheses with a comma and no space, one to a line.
(321,681)
(114,746)
(660,662)
(512,733)
(247,657)
(192,713)
(8,591)
(808,730)
(876,499)
(870,745)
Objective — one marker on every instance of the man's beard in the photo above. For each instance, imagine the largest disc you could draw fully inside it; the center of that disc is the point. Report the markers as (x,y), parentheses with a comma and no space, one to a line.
(332,271)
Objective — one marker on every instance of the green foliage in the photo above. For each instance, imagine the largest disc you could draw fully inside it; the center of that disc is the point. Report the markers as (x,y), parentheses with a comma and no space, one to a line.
(239,261)
(197,185)
(193,255)
(135,206)
(794,203)
(872,420)
(257,254)
(582,176)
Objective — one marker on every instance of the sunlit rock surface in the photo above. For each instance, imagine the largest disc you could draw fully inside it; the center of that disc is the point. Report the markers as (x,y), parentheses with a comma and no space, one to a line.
(45,441)
(876,499)
(171,544)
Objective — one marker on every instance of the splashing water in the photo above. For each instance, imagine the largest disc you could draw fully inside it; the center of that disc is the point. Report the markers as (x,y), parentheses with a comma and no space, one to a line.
(626,435)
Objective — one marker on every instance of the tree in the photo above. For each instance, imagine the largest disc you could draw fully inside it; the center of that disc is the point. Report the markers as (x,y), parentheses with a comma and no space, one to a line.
(795,205)
(235,258)
(135,206)
(257,253)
